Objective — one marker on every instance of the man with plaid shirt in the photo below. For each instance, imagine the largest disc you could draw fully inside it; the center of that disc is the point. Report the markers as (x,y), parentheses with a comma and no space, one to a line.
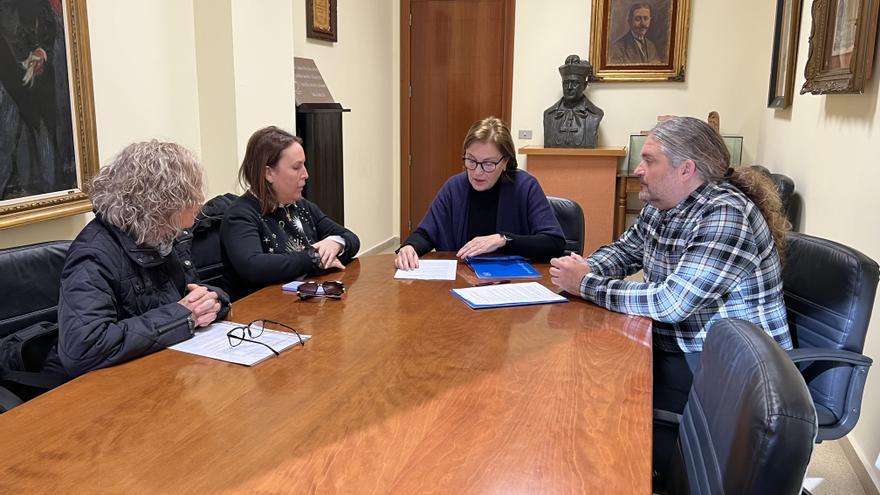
(705,246)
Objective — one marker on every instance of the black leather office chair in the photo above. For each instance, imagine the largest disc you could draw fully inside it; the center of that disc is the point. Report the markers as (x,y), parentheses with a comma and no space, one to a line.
(206,239)
(829,296)
(749,424)
(31,278)
(791,201)
(571,219)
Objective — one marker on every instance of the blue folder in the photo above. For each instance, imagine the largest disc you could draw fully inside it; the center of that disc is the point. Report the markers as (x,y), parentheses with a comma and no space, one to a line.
(502,267)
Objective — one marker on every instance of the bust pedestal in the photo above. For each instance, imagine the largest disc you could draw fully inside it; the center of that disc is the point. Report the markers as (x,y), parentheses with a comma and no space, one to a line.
(584,175)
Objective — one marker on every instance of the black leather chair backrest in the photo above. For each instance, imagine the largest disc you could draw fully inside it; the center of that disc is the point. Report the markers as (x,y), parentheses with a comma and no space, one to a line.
(31,278)
(790,201)
(206,239)
(829,296)
(571,219)
(749,424)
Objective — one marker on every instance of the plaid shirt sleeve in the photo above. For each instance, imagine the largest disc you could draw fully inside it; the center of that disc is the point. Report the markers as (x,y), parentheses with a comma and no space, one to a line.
(714,256)
(621,258)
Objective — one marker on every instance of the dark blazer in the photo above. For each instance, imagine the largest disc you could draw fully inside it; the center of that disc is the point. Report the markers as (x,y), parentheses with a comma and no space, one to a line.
(626,51)
(523,209)
(255,246)
(119,301)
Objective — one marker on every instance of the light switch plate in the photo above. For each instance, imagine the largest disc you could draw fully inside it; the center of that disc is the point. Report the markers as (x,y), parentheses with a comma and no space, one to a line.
(525,134)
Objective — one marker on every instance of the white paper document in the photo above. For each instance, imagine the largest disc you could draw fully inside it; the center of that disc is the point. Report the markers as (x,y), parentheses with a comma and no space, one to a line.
(494,296)
(430,270)
(212,342)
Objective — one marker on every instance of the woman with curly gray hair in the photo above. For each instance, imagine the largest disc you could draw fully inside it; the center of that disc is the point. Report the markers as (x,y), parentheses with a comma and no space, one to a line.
(128,287)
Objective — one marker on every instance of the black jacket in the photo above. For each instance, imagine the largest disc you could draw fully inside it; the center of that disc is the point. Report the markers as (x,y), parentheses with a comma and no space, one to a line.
(119,301)
(254,247)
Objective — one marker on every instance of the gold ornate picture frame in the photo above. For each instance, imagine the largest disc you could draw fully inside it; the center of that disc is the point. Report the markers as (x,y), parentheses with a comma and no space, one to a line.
(639,41)
(48,142)
(321,19)
(842,40)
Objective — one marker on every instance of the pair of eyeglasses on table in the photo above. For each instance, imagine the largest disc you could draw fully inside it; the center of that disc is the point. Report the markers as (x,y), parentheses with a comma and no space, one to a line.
(253,330)
(332,289)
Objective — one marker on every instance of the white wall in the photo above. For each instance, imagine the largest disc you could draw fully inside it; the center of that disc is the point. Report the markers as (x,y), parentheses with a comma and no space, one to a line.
(144,77)
(359,70)
(722,67)
(827,144)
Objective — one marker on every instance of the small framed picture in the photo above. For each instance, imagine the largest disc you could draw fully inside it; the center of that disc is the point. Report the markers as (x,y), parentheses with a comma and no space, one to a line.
(639,41)
(321,19)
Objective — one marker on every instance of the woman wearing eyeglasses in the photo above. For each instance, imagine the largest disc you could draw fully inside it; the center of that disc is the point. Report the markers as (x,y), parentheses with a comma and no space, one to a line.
(490,207)
(271,234)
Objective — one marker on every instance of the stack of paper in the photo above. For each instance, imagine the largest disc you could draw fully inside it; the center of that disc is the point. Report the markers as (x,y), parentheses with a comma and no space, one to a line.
(430,270)
(212,342)
(494,296)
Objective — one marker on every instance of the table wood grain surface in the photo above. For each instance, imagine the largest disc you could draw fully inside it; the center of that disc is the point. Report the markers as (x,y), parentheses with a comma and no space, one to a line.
(403,389)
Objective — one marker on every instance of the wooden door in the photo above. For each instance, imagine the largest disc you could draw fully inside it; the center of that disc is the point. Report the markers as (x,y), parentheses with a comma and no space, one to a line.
(456,68)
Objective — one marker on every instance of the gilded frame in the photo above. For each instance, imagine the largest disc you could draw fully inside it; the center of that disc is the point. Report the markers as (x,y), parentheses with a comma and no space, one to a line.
(69,201)
(842,40)
(784,57)
(667,35)
(321,19)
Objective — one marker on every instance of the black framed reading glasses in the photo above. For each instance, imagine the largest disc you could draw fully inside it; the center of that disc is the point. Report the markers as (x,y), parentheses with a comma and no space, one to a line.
(332,289)
(253,330)
(488,166)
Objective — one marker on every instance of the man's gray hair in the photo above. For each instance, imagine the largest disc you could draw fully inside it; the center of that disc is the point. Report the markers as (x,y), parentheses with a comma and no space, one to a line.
(142,188)
(687,138)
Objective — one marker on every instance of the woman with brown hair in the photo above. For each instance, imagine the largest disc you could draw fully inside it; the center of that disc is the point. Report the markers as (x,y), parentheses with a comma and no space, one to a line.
(271,234)
(490,207)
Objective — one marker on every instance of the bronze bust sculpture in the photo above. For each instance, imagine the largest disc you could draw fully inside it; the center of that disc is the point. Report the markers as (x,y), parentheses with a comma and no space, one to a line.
(573,121)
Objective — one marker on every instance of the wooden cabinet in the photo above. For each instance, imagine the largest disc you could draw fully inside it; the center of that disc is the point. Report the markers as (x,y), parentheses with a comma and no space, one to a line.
(626,185)
(587,176)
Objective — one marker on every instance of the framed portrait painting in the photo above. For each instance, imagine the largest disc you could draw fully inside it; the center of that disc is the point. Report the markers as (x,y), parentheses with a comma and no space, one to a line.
(842,40)
(639,41)
(48,145)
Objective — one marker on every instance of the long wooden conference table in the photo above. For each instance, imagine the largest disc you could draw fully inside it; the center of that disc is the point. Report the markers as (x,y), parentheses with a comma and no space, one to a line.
(402,389)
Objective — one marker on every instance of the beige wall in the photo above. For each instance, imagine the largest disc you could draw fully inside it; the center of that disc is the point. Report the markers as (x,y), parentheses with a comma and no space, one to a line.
(216,90)
(827,145)
(359,71)
(262,48)
(144,76)
(244,53)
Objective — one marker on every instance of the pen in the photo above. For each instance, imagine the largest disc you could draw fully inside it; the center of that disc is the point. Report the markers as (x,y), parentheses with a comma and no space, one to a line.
(494,282)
